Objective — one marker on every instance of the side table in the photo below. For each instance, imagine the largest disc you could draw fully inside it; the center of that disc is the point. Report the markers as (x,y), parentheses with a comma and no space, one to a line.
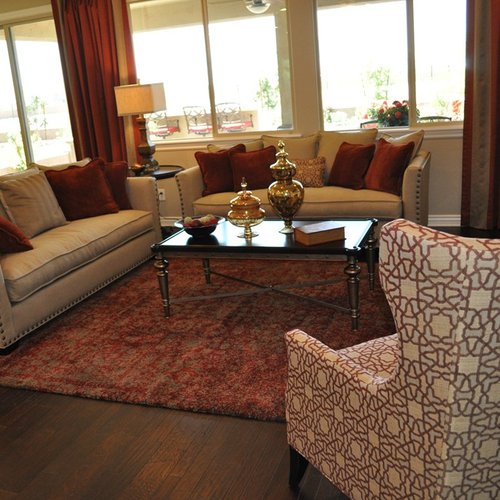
(166,171)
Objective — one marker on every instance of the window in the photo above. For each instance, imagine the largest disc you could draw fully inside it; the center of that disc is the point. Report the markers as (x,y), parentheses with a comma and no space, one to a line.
(34,120)
(366,55)
(235,80)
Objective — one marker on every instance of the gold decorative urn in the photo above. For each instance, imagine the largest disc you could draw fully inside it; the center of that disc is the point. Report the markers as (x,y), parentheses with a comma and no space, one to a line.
(245,211)
(285,194)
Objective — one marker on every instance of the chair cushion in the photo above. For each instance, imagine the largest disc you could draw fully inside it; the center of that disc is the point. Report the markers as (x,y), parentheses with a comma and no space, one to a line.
(63,249)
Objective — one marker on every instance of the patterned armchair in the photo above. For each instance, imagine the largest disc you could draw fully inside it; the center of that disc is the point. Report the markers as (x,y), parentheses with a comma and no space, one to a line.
(416,414)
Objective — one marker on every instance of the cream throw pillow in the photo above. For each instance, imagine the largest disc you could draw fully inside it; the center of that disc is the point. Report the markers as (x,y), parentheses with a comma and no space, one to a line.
(415,137)
(311,173)
(31,204)
(329,143)
(296,147)
(249,146)
(61,166)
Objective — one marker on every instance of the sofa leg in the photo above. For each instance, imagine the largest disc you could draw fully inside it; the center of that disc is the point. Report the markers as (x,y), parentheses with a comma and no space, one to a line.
(298,466)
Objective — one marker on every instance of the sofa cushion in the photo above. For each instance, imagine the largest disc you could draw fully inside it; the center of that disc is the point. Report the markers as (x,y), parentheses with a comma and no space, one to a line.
(61,166)
(30,204)
(83,191)
(216,169)
(329,143)
(11,177)
(12,239)
(254,167)
(63,249)
(415,137)
(296,147)
(350,165)
(311,173)
(326,201)
(249,146)
(387,167)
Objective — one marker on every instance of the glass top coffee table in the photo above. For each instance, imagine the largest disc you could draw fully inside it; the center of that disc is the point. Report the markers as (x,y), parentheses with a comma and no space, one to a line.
(225,242)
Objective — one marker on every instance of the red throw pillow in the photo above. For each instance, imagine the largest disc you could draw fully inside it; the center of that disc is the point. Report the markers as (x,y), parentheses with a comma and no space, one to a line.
(216,169)
(254,167)
(116,174)
(82,191)
(389,163)
(350,165)
(12,239)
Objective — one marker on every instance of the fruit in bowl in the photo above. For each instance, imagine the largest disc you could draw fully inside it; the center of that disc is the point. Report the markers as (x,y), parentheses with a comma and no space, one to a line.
(199,225)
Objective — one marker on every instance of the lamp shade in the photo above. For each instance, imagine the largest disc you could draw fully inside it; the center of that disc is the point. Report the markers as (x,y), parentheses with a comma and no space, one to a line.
(140,99)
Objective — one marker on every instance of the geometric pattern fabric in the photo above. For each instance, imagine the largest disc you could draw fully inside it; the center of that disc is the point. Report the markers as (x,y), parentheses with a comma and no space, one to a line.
(416,414)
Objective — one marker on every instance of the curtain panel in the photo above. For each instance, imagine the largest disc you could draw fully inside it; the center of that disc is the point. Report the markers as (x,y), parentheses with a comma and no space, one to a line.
(481,136)
(93,64)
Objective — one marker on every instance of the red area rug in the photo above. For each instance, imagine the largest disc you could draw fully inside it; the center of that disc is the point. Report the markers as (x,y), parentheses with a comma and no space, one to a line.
(223,356)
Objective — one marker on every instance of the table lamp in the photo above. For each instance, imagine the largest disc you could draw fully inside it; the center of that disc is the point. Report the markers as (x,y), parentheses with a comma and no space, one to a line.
(140,99)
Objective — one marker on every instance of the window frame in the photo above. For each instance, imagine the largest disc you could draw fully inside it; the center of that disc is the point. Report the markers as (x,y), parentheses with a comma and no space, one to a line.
(7,27)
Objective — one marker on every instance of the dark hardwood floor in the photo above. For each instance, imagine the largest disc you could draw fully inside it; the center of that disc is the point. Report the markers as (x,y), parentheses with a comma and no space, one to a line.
(61,447)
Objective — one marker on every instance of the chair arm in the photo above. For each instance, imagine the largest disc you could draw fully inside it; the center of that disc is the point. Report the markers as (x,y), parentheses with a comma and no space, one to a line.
(306,351)
(415,192)
(190,186)
(143,195)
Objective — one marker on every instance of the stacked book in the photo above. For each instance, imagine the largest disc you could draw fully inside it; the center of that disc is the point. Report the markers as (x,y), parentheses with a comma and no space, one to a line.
(319,233)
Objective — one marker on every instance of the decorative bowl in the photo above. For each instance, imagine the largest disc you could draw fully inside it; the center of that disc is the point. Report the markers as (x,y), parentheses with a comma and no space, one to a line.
(199,231)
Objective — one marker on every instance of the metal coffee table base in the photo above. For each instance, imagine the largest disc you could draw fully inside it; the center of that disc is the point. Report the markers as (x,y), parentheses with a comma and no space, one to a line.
(352,270)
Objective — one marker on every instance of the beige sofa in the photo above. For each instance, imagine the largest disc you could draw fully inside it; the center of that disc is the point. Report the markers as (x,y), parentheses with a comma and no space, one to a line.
(327,201)
(72,261)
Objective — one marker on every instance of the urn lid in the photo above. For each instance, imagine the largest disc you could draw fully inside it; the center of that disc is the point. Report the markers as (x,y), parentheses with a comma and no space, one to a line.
(245,199)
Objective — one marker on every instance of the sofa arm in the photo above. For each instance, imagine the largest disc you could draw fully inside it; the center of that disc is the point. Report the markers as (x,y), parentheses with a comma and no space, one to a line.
(143,195)
(190,186)
(415,191)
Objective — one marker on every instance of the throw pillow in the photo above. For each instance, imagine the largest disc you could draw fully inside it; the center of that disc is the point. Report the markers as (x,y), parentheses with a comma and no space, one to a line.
(389,163)
(12,239)
(254,167)
(116,173)
(83,191)
(61,166)
(311,173)
(350,165)
(30,204)
(12,177)
(216,169)
(296,147)
(416,137)
(329,143)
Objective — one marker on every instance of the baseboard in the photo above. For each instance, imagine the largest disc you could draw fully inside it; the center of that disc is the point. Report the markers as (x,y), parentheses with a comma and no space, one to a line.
(444,220)
(168,221)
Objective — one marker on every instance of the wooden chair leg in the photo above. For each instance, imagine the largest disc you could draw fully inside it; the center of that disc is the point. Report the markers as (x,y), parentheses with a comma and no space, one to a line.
(298,466)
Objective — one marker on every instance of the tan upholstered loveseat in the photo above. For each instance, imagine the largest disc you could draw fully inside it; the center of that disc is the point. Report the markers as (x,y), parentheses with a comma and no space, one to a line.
(328,201)
(71,261)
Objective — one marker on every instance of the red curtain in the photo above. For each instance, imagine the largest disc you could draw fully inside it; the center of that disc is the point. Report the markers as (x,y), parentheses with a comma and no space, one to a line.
(481,150)
(87,32)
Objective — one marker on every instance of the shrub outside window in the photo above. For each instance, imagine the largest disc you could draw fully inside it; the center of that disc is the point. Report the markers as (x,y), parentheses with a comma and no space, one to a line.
(368,56)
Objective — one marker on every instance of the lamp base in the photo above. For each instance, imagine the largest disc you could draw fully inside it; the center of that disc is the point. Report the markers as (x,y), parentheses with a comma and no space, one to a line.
(146,148)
